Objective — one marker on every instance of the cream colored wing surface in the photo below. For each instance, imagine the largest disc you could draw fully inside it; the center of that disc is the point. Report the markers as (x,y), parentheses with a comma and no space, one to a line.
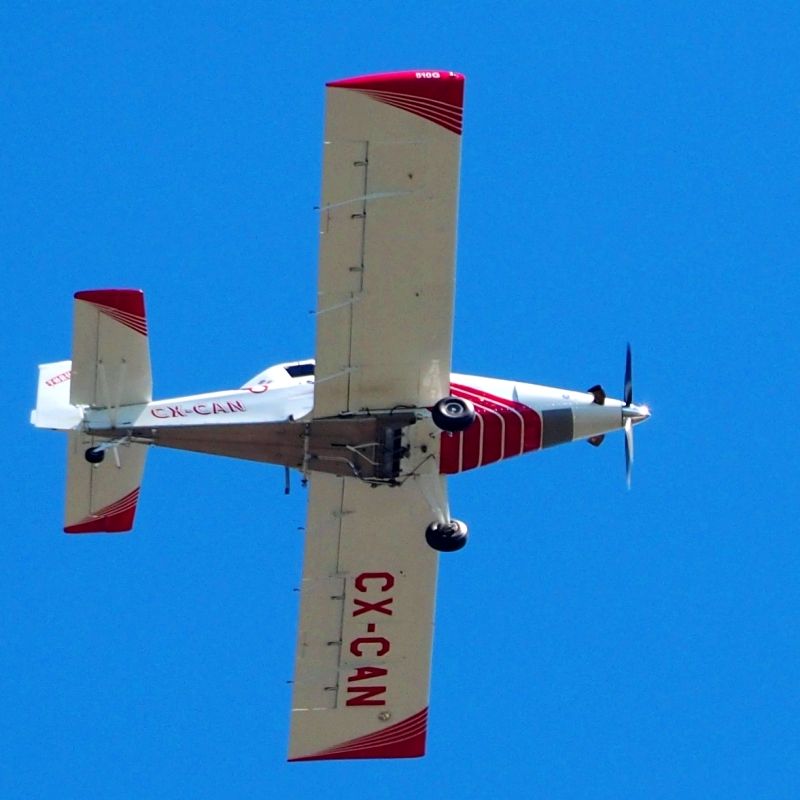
(110,351)
(102,497)
(387,243)
(366,620)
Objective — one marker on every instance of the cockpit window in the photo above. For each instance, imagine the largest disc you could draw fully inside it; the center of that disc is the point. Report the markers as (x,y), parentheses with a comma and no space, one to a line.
(300,370)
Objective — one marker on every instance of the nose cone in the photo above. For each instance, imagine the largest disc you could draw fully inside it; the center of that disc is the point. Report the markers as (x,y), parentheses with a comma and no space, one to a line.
(635,413)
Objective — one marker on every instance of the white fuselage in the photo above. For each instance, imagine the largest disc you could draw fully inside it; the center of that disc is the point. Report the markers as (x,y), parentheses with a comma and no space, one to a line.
(512,417)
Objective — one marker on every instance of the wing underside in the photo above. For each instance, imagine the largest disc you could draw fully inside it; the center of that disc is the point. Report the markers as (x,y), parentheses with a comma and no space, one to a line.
(366,621)
(384,331)
(387,241)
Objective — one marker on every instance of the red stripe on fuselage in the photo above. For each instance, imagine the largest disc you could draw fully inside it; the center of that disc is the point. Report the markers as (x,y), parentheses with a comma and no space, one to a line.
(504,428)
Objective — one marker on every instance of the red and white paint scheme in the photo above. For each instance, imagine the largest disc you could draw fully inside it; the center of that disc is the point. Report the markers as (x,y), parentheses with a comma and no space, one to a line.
(375,423)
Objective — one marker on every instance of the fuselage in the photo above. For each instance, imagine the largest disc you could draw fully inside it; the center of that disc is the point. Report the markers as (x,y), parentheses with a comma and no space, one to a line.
(512,417)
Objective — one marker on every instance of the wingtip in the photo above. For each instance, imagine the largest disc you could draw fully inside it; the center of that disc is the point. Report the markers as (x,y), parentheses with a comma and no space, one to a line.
(124,305)
(130,301)
(115,518)
(434,95)
(377,79)
(404,739)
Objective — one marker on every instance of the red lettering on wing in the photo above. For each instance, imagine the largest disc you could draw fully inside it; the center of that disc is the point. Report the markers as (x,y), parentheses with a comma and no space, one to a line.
(386,577)
(366,696)
(365,673)
(366,692)
(379,607)
(382,645)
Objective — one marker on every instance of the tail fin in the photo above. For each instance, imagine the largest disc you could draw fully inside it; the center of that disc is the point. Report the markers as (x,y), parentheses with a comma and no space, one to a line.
(53,409)
(102,497)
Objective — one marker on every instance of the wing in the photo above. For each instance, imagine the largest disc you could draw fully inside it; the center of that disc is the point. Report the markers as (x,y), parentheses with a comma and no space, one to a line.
(366,620)
(387,241)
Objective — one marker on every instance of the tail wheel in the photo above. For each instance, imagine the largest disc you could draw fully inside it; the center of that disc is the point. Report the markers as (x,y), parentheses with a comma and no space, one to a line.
(94,456)
(446,537)
(453,414)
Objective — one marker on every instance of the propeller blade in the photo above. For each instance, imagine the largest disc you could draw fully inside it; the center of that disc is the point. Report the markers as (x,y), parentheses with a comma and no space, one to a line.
(628,450)
(628,389)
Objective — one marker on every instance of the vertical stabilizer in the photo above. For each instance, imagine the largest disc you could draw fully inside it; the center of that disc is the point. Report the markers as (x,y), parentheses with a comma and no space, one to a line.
(53,409)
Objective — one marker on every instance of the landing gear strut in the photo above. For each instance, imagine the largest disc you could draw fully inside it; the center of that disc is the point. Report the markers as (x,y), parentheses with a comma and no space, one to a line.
(446,537)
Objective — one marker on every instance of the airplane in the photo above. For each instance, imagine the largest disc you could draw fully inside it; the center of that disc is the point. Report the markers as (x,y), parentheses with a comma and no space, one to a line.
(375,423)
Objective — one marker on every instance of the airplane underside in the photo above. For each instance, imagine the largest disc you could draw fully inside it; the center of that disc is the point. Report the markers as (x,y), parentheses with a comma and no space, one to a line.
(369,447)
(376,422)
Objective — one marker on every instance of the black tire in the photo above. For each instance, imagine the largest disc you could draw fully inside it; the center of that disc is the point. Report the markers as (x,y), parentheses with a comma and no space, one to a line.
(94,456)
(452,414)
(446,537)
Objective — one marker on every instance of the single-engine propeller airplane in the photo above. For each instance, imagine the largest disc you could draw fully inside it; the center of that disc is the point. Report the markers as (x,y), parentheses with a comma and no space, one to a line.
(375,423)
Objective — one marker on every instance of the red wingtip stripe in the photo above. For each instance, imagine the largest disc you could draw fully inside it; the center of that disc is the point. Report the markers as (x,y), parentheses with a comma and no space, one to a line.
(138,324)
(404,739)
(435,95)
(113,518)
(130,301)
(124,305)
(440,114)
(416,101)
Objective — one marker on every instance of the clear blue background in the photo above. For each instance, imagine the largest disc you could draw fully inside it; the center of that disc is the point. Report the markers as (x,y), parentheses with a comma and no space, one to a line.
(629,172)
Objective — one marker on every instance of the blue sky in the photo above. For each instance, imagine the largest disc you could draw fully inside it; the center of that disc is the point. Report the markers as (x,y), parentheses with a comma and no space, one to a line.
(627,173)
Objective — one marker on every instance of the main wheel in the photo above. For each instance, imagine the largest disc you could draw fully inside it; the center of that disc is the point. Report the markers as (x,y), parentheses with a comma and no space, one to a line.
(446,537)
(453,414)
(94,456)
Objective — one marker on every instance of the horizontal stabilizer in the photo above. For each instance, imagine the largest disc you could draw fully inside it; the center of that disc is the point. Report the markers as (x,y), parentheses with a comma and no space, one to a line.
(110,352)
(102,497)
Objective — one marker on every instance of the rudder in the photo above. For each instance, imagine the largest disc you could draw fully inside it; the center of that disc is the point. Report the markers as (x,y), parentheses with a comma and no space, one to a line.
(53,409)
